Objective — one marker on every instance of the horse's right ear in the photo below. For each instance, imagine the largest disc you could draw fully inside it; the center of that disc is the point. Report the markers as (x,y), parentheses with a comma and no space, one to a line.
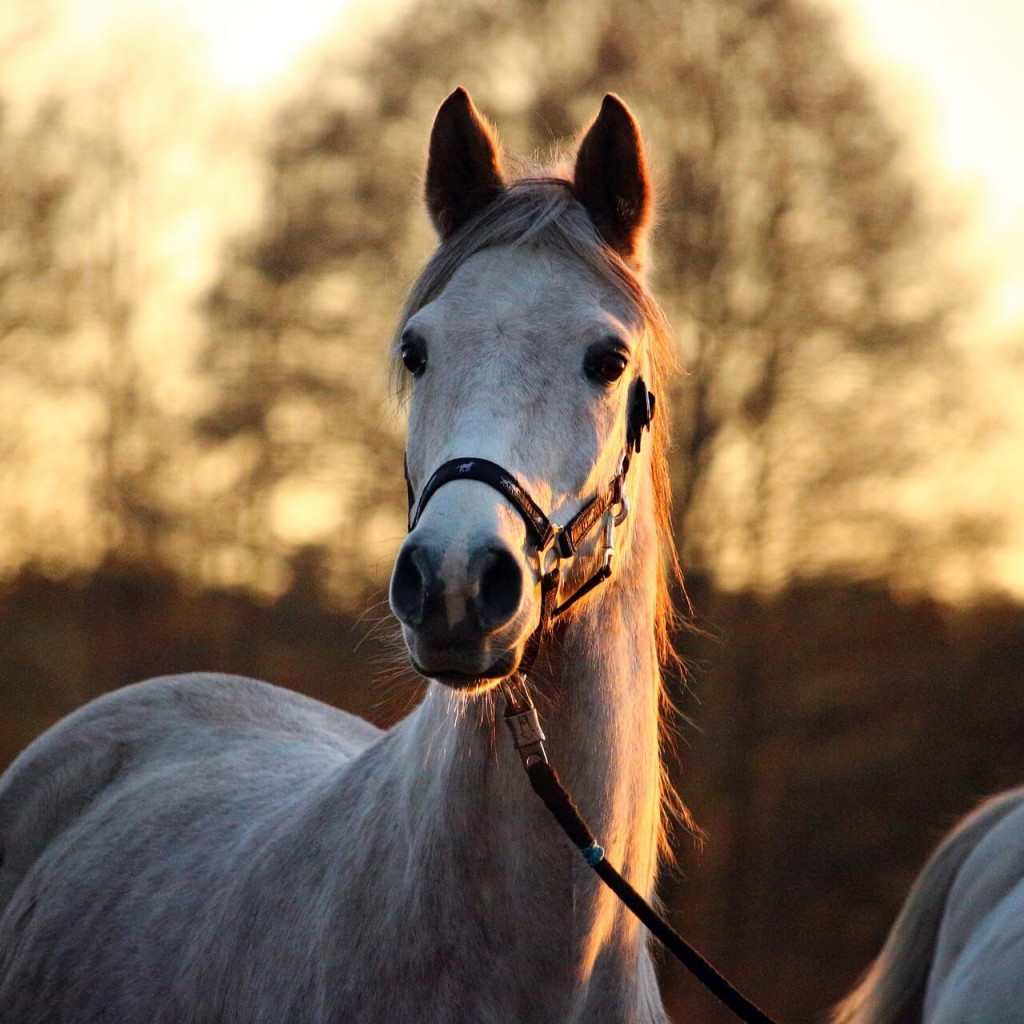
(464,168)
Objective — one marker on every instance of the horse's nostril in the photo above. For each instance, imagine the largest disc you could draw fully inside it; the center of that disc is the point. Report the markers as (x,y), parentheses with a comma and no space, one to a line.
(472,599)
(407,587)
(501,589)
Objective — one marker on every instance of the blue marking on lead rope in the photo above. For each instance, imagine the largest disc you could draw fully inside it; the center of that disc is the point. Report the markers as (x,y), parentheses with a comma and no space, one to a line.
(593,854)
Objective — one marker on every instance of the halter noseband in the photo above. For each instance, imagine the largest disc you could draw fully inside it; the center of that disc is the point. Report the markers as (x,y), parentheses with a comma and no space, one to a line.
(610,503)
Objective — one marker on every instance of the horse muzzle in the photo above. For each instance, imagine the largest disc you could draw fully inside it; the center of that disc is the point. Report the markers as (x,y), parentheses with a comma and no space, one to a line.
(464,611)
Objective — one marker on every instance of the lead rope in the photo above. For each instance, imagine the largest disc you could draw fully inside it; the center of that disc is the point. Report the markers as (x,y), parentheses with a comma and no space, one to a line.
(528,737)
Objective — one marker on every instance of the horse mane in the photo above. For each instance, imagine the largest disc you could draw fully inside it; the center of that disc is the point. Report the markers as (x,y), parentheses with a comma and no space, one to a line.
(542,211)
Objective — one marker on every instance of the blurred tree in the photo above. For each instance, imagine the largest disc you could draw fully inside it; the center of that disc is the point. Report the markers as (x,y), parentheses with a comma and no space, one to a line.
(37,277)
(79,216)
(111,219)
(38,282)
(34,184)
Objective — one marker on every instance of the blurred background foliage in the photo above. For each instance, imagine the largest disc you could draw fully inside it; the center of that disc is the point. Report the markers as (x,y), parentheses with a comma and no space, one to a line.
(201,462)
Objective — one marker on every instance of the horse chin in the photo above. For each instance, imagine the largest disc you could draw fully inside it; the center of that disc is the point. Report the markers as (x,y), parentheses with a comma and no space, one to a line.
(470,675)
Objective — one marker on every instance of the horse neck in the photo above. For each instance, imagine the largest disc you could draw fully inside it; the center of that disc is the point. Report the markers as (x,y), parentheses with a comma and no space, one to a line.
(597,689)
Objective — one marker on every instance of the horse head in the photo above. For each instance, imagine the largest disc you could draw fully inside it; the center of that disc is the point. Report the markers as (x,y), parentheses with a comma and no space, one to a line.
(524,345)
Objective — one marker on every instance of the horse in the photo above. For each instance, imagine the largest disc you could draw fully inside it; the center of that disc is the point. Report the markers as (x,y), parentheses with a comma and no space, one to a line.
(208,848)
(955,954)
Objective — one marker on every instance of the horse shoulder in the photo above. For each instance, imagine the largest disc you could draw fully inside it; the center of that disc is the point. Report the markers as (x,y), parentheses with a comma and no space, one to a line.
(61,775)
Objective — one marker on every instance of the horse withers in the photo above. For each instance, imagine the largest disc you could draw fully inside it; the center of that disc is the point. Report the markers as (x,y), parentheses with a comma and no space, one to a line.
(212,849)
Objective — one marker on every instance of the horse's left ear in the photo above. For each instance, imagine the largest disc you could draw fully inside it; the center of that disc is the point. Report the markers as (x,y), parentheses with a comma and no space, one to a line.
(611,180)
(464,166)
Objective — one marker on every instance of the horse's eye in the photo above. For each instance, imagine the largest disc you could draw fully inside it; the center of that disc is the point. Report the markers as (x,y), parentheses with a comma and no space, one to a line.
(414,355)
(606,367)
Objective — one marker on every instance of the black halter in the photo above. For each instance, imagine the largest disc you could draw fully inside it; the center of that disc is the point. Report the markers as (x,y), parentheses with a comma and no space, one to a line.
(563,541)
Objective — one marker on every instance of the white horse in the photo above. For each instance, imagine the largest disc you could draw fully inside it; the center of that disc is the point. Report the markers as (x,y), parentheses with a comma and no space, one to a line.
(956,953)
(211,849)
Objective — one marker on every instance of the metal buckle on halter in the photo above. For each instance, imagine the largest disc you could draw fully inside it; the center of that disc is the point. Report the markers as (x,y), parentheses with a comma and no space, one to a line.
(527,736)
(620,516)
(522,721)
(612,519)
(552,548)
(608,553)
